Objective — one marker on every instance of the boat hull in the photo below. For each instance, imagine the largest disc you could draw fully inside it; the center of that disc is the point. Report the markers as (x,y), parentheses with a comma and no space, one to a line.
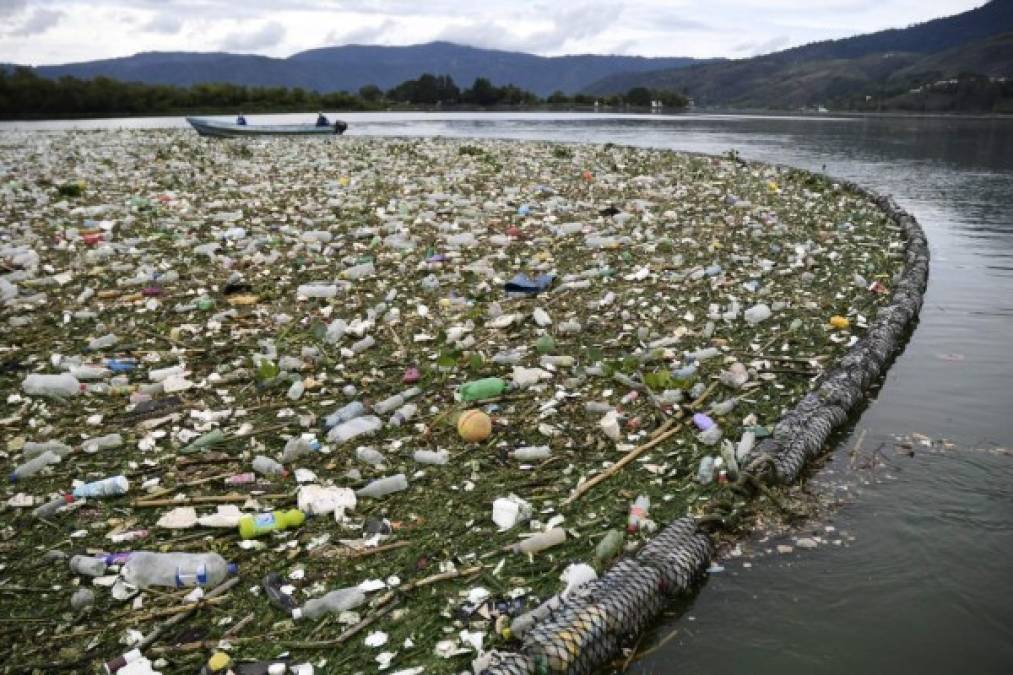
(218,129)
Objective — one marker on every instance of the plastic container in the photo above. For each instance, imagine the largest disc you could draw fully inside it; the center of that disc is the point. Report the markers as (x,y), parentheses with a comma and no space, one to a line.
(298,447)
(334,602)
(252,526)
(88,566)
(540,541)
(370,455)
(359,426)
(531,453)
(344,414)
(107,442)
(204,442)
(384,486)
(478,390)
(176,570)
(108,487)
(429,457)
(34,465)
(609,547)
(266,466)
(64,384)
(639,510)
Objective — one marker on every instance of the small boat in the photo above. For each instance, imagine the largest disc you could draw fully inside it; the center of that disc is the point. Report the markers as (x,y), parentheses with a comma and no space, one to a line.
(218,128)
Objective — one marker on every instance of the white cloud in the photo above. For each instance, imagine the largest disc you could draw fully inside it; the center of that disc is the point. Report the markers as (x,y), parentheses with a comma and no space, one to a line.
(168,24)
(364,35)
(268,35)
(39,21)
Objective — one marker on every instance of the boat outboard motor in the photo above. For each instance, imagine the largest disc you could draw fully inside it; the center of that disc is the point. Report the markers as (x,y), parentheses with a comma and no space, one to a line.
(339,127)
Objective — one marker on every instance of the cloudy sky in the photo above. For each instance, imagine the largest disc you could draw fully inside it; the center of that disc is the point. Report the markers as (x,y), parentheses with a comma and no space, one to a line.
(59,31)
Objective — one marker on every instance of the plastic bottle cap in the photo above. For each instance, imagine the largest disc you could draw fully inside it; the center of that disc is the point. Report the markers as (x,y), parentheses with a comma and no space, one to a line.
(232,568)
(14,477)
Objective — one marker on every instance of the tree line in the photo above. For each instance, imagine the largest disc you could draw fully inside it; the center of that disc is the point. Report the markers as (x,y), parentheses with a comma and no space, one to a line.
(23,93)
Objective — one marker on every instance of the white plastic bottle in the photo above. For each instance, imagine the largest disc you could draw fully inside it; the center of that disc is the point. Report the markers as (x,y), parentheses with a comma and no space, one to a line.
(403,414)
(34,449)
(109,487)
(176,570)
(317,291)
(370,455)
(395,401)
(359,426)
(541,541)
(103,342)
(34,465)
(384,486)
(334,602)
(93,445)
(531,453)
(295,392)
(64,384)
(438,458)
(344,414)
(298,447)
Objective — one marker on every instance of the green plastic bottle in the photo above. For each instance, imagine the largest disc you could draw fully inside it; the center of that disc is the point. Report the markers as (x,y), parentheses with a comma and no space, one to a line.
(545,344)
(204,442)
(478,390)
(252,526)
(609,546)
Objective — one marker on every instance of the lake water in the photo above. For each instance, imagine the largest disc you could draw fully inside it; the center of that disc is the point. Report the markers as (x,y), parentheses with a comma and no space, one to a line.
(925,585)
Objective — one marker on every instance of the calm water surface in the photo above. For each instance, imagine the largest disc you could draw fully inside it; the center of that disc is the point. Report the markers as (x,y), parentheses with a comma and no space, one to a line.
(926,585)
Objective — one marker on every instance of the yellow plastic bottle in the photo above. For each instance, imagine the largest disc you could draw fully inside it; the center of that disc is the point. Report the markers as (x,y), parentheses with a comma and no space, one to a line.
(252,526)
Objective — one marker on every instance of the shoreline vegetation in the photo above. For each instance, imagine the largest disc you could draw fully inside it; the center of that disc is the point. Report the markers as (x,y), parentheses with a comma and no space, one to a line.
(25,95)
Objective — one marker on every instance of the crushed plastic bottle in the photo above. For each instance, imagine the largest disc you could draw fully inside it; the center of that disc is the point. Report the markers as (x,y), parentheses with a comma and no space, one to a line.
(88,566)
(383,486)
(108,487)
(335,602)
(266,466)
(540,541)
(64,384)
(34,465)
(354,428)
(144,569)
(298,447)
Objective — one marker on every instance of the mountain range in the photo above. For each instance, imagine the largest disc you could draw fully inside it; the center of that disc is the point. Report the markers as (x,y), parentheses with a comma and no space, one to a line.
(886,63)
(350,67)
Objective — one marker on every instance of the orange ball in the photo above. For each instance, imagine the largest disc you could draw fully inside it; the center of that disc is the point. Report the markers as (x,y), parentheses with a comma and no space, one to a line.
(474,426)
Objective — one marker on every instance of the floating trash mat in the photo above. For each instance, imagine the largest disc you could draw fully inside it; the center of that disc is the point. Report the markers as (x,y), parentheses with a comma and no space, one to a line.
(400,405)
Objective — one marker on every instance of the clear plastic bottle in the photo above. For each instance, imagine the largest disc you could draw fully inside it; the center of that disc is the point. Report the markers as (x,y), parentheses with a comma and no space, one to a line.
(87,566)
(109,441)
(370,455)
(359,271)
(33,449)
(266,466)
(317,291)
(109,487)
(176,570)
(64,384)
(540,541)
(34,465)
(384,486)
(52,507)
(363,344)
(298,447)
(211,438)
(705,473)
(296,391)
(438,458)
(360,426)
(103,342)
(609,546)
(333,603)
(344,414)
(403,414)
(395,401)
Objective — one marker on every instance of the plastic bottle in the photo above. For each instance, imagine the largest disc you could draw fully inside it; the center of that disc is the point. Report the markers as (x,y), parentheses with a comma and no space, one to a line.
(756,314)
(705,474)
(34,465)
(403,414)
(540,541)
(93,445)
(296,391)
(731,465)
(82,599)
(64,384)
(638,513)
(103,342)
(241,479)
(317,291)
(86,372)
(531,453)
(609,546)
(363,344)
(558,361)
(360,271)
(87,566)
(429,457)
(298,447)
(370,455)
(176,570)
(360,426)
(266,466)
(52,507)
(395,401)
(333,603)
(344,414)
(745,445)
(204,442)
(33,449)
(109,487)
(252,526)
(478,390)
(383,486)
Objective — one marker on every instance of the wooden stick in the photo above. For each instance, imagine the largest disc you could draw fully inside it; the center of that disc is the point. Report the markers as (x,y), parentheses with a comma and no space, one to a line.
(171,611)
(665,431)
(351,632)
(213,499)
(220,589)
